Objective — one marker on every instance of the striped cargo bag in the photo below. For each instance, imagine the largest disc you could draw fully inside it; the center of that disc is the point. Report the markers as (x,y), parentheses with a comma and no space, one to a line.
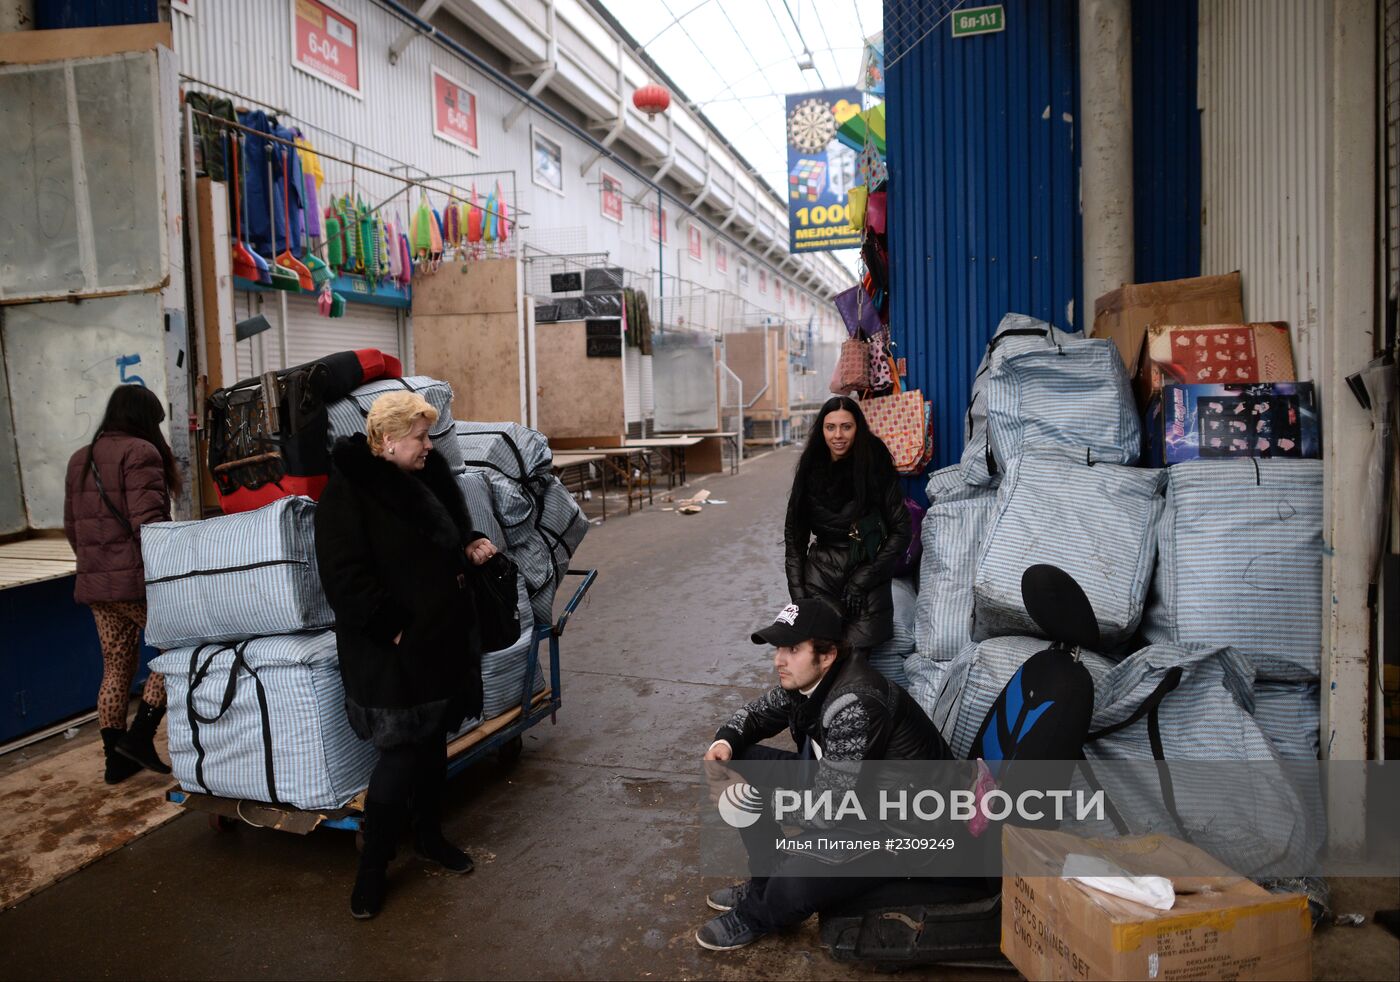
(974,680)
(1097,523)
(888,658)
(1193,703)
(1289,713)
(925,680)
(263,720)
(1073,394)
(347,416)
(1015,333)
(952,537)
(237,576)
(541,522)
(481,506)
(1240,544)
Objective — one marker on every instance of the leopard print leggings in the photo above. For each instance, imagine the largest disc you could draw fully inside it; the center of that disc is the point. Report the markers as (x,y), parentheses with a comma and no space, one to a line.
(119,626)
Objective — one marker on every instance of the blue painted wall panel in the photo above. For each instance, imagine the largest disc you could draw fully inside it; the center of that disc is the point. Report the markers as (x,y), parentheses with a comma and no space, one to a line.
(51,662)
(984,215)
(1166,142)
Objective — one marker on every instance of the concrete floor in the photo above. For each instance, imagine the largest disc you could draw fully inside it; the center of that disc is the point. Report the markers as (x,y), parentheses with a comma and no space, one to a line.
(583,848)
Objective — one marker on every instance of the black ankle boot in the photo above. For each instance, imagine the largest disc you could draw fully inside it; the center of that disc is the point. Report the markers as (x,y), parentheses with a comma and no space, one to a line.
(381,829)
(139,742)
(430,845)
(119,768)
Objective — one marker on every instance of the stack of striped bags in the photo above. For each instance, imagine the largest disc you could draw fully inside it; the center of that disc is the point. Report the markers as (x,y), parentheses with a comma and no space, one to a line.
(256,706)
(1212,568)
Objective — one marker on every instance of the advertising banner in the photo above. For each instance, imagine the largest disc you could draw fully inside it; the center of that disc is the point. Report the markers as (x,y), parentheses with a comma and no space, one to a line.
(821,171)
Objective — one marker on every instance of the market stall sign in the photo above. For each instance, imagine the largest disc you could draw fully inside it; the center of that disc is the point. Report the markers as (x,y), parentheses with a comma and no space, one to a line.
(454,111)
(326,44)
(978,20)
(821,171)
(611,201)
(695,243)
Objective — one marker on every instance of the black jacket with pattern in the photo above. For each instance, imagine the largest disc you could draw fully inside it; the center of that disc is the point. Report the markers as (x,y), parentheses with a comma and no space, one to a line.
(854,714)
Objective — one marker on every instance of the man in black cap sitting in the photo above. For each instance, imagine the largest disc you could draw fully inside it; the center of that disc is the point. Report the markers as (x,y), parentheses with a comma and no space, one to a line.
(838,709)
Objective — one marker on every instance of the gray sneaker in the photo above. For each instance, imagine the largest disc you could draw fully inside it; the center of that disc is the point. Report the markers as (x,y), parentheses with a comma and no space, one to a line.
(726,932)
(727,898)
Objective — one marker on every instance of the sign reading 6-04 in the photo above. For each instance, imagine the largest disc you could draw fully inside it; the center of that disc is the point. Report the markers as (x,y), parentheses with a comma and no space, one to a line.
(820,171)
(326,44)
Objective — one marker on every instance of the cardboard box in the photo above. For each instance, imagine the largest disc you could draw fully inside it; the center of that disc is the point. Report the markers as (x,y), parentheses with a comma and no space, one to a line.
(1269,419)
(1127,313)
(1222,926)
(1220,354)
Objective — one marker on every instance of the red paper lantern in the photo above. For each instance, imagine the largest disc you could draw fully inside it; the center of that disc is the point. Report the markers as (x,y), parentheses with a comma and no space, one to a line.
(651,99)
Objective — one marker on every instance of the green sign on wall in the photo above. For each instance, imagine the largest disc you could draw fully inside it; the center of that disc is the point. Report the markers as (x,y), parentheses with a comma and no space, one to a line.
(978,20)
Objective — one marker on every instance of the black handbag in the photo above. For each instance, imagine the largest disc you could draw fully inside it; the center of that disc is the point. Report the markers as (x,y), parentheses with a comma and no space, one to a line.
(494,586)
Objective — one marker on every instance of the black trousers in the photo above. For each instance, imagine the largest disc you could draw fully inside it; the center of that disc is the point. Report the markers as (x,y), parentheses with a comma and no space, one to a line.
(411,773)
(785,892)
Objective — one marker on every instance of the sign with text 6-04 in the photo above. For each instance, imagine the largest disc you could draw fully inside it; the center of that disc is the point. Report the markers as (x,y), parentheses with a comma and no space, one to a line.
(821,171)
(326,44)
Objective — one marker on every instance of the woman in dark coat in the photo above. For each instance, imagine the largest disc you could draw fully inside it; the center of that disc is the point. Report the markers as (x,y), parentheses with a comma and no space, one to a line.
(393,543)
(119,482)
(846,487)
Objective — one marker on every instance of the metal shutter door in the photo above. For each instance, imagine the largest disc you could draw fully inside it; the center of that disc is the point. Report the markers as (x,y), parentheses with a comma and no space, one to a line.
(309,335)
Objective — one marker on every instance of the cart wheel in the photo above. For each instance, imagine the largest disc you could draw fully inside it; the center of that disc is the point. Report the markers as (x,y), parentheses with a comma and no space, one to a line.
(511,749)
(222,823)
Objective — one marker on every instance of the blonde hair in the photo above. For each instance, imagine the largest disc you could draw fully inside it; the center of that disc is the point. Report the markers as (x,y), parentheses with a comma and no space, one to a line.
(393,415)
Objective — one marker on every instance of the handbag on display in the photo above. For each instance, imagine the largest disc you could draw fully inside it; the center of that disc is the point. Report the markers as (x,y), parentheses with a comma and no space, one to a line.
(902,420)
(853,367)
(858,311)
(881,377)
(856,203)
(875,214)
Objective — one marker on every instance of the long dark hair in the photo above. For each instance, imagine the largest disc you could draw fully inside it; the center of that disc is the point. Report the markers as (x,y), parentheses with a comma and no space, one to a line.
(871,464)
(136,411)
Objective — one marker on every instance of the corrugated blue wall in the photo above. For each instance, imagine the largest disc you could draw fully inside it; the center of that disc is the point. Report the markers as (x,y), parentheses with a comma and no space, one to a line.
(984,214)
(1166,142)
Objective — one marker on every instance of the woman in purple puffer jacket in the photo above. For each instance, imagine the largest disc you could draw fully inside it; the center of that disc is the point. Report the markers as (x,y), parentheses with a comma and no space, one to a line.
(119,482)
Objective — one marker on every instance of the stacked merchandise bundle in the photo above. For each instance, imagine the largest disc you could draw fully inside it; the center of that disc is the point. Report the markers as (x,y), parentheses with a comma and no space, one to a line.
(889,658)
(1177,560)
(257,710)
(348,415)
(541,522)
(1223,408)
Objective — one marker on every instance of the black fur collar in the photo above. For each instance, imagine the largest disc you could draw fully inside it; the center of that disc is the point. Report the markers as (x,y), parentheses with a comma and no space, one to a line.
(428,500)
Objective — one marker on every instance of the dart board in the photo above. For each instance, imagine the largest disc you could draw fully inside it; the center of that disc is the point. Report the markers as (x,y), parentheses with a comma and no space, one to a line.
(811,126)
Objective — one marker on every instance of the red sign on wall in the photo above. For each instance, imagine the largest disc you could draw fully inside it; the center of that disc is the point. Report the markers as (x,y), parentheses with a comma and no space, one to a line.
(694,244)
(454,111)
(611,201)
(326,44)
(658,228)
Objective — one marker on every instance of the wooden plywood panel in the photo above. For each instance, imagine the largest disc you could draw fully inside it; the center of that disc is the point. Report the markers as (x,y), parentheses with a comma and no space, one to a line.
(484,286)
(578,396)
(31,47)
(743,353)
(478,355)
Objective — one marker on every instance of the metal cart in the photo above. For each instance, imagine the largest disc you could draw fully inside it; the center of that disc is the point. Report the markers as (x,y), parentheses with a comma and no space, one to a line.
(503,734)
